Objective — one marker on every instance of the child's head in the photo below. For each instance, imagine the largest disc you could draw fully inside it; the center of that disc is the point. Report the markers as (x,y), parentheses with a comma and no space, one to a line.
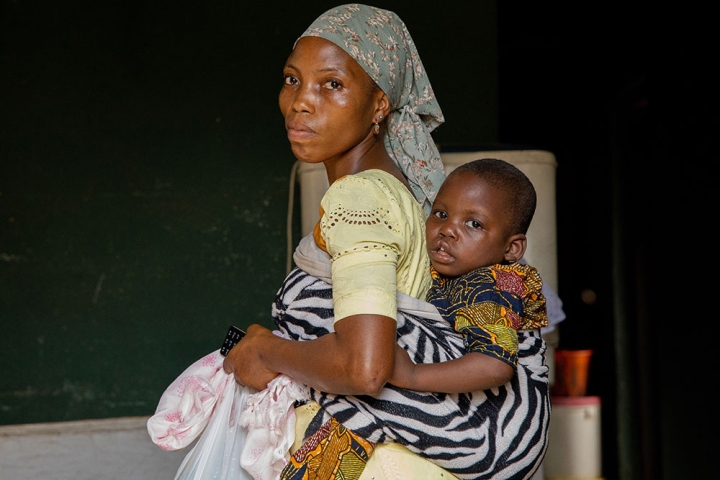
(480,217)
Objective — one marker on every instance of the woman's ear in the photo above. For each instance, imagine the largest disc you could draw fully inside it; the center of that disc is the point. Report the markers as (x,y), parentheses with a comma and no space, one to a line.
(517,244)
(382,109)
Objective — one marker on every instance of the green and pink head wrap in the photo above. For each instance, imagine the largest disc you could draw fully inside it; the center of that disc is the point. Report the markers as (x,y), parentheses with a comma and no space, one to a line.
(380,42)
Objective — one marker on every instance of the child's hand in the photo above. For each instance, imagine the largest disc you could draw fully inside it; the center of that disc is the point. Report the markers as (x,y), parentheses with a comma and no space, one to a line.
(404,369)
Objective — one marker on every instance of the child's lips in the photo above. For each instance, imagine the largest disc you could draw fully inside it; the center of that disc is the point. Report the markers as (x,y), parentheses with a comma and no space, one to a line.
(441,255)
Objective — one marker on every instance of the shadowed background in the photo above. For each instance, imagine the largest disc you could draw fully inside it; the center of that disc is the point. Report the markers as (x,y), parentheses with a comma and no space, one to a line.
(144,179)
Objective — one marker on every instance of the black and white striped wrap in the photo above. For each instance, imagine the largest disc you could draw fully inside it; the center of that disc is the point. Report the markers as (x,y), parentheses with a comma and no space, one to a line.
(493,434)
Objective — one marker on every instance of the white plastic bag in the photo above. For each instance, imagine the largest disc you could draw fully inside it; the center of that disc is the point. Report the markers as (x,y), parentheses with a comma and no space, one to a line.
(216,455)
(269,420)
(185,407)
(242,434)
(203,403)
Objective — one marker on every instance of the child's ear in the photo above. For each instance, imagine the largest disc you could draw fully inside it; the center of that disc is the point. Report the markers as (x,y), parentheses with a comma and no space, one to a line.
(516,247)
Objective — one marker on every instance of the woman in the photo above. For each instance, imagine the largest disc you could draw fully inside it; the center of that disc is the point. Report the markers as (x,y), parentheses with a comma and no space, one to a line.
(357,99)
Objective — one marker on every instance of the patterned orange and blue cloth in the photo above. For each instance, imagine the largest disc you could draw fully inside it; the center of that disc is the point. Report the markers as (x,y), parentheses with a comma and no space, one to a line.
(489,305)
(332,452)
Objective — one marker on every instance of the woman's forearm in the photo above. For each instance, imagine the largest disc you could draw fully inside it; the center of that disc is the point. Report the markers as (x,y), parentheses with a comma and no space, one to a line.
(356,359)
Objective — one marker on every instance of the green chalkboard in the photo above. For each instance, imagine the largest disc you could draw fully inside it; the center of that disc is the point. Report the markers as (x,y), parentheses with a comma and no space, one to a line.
(144,179)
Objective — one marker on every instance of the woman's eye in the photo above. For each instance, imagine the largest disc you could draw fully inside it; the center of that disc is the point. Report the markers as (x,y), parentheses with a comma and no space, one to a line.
(332,84)
(290,80)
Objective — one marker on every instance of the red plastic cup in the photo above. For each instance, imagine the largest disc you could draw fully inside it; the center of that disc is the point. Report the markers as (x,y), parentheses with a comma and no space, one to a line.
(571,373)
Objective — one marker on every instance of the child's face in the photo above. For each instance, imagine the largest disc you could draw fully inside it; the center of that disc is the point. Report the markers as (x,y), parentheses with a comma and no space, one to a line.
(467,228)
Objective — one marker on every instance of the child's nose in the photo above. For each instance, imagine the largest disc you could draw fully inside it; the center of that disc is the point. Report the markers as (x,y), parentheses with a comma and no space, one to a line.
(448,230)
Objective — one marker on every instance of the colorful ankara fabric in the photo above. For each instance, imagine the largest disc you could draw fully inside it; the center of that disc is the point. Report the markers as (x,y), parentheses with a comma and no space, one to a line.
(489,305)
(380,42)
(333,452)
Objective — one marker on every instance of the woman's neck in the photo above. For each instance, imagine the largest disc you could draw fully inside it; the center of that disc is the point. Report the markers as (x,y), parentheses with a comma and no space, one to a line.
(361,158)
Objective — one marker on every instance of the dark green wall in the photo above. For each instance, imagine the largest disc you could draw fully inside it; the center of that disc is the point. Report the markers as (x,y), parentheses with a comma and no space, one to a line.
(144,178)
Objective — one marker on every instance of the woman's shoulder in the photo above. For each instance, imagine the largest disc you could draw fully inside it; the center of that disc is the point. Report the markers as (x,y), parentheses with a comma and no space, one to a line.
(372,186)
(371,205)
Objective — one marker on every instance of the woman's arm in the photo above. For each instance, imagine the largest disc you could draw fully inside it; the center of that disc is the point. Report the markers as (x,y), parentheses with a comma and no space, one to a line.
(472,372)
(356,359)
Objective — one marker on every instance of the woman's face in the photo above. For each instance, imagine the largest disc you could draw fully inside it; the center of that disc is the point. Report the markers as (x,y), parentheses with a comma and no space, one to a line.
(327,99)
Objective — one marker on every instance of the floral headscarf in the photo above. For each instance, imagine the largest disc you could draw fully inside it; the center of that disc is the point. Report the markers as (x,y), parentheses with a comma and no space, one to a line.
(380,42)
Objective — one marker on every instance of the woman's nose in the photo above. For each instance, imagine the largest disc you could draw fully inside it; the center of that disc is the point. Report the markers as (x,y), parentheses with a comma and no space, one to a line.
(304,100)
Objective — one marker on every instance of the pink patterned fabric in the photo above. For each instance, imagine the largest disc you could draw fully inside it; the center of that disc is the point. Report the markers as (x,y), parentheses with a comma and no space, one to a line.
(267,416)
(185,407)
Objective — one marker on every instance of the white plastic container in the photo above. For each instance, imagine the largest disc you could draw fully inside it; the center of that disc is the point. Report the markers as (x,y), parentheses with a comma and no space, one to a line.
(574,449)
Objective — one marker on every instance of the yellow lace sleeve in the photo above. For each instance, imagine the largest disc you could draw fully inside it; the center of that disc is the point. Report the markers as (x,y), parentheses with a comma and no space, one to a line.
(373,229)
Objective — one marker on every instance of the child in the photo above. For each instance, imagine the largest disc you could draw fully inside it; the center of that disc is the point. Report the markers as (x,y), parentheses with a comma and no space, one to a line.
(476,238)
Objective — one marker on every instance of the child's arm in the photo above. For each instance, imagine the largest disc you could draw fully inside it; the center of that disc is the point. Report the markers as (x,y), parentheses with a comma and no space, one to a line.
(471,372)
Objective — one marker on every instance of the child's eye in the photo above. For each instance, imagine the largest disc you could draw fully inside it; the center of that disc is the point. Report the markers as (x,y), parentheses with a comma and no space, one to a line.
(474,224)
(440,214)
(332,84)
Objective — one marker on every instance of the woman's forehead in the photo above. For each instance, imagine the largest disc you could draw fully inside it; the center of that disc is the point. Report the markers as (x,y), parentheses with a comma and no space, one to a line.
(320,55)
(319,50)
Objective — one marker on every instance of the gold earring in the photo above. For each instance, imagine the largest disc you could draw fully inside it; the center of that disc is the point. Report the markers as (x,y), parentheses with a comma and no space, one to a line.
(376,128)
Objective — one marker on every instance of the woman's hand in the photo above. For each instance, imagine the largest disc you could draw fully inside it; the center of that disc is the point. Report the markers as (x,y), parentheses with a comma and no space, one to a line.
(246,360)
(356,359)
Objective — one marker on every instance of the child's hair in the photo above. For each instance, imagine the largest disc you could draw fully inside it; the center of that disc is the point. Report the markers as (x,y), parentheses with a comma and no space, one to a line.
(521,196)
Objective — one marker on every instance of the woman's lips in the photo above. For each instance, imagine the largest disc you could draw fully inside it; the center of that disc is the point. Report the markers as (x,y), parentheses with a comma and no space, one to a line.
(299,131)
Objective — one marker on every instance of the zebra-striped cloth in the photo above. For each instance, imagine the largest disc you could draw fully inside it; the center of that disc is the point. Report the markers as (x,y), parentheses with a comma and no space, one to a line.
(493,434)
